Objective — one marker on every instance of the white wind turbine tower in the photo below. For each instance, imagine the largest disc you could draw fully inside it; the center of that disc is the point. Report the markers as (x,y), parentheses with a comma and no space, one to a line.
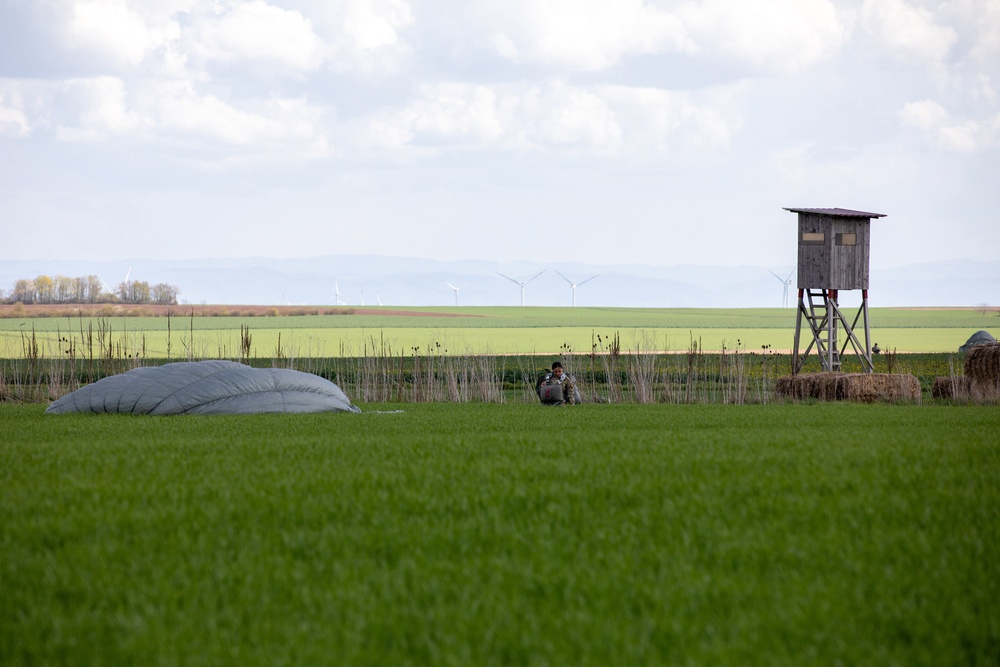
(337,295)
(786,282)
(106,288)
(123,285)
(518,282)
(574,285)
(456,291)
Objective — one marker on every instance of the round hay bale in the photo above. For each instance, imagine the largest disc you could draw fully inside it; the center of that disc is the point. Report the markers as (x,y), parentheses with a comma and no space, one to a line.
(950,387)
(819,386)
(982,370)
(982,364)
(857,387)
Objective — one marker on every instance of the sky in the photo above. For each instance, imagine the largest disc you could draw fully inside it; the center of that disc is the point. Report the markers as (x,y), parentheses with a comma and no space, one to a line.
(600,131)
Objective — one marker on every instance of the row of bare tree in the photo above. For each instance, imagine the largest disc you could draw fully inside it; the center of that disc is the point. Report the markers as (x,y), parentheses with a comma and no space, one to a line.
(88,289)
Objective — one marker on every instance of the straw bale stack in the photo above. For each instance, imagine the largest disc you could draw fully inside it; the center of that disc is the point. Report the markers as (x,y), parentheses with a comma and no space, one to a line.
(860,387)
(982,368)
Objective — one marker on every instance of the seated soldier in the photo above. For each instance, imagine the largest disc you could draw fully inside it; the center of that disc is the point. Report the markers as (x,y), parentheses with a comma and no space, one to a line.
(557,387)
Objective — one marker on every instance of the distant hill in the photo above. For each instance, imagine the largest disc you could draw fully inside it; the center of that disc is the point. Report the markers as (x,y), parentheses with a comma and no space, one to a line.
(408,281)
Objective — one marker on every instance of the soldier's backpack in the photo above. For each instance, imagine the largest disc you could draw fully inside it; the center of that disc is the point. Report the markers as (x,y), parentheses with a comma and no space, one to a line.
(550,393)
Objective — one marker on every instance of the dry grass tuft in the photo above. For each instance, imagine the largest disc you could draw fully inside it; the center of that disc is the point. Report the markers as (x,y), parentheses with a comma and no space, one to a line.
(858,387)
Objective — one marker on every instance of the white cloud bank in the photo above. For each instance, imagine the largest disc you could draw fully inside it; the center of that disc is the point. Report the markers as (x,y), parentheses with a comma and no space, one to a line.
(784,36)
(588,111)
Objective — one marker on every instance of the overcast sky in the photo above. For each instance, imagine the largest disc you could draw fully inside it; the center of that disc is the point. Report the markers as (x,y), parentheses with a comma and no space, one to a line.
(604,131)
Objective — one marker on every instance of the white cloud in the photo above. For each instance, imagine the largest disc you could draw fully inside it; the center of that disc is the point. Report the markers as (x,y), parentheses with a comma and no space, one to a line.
(13,120)
(118,30)
(254,31)
(910,34)
(101,108)
(969,136)
(177,113)
(561,117)
(785,36)
(565,116)
(453,113)
(187,38)
(924,115)
(372,26)
(665,120)
(984,18)
(179,110)
(960,43)
(948,133)
(364,36)
(585,35)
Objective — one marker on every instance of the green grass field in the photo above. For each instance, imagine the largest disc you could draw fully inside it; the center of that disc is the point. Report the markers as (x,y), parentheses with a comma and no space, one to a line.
(503,535)
(485,330)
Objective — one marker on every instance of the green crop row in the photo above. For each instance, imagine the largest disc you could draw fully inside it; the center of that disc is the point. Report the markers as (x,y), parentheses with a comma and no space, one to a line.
(519,318)
(324,342)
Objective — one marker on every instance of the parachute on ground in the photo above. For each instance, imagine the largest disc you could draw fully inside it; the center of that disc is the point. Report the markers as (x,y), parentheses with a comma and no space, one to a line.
(979,338)
(206,388)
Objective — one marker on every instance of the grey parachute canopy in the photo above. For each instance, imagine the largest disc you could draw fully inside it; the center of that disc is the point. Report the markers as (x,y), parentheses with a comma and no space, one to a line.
(206,388)
(979,338)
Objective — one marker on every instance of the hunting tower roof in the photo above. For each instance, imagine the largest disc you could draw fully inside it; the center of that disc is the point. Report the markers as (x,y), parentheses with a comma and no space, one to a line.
(841,212)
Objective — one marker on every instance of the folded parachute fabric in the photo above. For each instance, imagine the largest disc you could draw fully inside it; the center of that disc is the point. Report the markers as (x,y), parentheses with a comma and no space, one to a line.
(206,388)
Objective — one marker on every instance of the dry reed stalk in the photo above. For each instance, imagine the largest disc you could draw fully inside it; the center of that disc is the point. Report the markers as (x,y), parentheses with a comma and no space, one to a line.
(640,368)
(857,387)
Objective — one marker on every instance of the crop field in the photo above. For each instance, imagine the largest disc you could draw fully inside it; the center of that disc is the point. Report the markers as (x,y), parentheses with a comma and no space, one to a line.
(356,332)
(469,354)
(484,534)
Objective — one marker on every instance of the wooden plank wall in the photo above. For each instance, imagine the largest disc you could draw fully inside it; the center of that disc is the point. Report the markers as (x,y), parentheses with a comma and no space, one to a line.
(827,265)
(849,264)
(814,260)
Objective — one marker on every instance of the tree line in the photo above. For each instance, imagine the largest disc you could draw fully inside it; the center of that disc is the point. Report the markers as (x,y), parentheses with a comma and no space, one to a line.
(88,289)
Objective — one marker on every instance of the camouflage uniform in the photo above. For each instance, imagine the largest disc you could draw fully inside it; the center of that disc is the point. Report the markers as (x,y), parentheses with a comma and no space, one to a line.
(569,389)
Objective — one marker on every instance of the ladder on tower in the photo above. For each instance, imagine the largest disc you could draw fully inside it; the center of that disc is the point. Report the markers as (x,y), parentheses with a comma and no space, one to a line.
(823,325)
(823,316)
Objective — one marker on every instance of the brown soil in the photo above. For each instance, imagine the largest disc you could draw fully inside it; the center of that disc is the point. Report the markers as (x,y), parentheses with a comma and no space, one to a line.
(147,310)
(984,309)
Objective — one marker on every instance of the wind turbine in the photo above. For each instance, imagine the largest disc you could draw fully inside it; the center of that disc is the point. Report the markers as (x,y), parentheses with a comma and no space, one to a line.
(574,285)
(123,285)
(337,295)
(106,288)
(456,291)
(518,282)
(786,282)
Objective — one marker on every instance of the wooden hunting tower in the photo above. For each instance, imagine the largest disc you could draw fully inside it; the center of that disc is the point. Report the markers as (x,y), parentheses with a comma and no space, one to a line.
(833,256)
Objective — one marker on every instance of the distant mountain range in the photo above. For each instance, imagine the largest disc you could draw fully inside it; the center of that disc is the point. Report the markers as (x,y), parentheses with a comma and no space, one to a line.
(406,281)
